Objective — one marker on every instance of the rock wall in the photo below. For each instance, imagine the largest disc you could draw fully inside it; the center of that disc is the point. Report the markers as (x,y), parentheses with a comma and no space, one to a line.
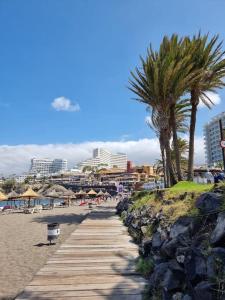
(188,255)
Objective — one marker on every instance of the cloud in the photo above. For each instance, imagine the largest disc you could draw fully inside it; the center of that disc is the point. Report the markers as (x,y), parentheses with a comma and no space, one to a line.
(148,120)
(65,104)
(215,98)
(16,159)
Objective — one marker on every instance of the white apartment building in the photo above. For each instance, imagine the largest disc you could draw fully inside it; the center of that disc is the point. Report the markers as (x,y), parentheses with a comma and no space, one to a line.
(104,157)
(212,140)
(45,167)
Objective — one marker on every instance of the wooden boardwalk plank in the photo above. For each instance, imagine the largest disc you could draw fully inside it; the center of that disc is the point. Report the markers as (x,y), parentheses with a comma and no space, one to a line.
(97,262)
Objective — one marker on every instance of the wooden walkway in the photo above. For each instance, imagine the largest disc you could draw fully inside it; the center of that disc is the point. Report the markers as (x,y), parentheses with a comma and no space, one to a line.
(96,262)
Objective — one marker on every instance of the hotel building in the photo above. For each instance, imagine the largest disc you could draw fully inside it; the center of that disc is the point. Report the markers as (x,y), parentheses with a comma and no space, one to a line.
(103,157)
(213,150)
(45,167)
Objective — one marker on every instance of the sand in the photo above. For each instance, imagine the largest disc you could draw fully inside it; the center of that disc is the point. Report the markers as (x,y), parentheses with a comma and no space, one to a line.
(23,244)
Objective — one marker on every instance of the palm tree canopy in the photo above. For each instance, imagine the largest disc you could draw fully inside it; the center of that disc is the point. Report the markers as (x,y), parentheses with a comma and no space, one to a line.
(164,76)
(209,61)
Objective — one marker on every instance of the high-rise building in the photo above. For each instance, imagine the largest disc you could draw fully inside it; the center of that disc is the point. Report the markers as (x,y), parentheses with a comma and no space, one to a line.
(45,167)
(104,158)
(212,138)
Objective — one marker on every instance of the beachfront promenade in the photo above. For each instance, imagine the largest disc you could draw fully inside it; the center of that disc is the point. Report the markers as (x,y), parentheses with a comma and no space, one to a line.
(96,262)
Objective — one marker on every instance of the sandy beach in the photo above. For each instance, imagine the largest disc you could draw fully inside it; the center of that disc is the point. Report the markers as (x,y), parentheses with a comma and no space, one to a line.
(23,244)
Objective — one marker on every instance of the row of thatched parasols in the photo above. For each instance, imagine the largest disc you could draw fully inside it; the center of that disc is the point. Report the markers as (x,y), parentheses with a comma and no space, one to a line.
(53,193)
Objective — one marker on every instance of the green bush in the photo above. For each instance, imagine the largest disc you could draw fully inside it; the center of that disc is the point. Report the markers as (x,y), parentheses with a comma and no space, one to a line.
(144,266)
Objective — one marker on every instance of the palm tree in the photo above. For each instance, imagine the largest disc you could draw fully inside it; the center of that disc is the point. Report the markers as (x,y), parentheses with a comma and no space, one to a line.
(146,85)
(182,112)
(183,149)
(162,80)
(208,60)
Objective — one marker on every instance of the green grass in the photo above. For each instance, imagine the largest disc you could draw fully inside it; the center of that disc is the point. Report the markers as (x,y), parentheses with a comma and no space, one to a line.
(187,186)
(144,266)
(183,196)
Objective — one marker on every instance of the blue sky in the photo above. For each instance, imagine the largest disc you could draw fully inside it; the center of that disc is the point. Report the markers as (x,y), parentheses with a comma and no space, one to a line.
(83,50)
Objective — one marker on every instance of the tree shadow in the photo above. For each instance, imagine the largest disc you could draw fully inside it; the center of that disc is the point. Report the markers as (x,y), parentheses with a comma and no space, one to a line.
(69,219)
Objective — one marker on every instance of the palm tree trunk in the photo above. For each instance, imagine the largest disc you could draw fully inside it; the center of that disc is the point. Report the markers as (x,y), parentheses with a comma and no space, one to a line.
(162,149)
(163,163)
(175,142)
(171,179)
(194,104)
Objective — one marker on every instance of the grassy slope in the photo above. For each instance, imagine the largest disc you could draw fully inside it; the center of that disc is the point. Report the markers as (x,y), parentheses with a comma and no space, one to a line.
(176,207)
(187,186)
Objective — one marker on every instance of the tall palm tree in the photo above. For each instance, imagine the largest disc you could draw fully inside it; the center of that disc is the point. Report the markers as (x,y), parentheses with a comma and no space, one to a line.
(146,84)
(208,60)
(162,80)
(182,112)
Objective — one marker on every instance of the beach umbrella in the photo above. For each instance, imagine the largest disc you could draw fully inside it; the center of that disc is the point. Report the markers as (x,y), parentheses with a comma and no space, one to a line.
(3,197)
(100,193)
(107,194)
(29,194)
(57,188)
(53,195)
(81,192)
(69,195)
(13,196)
(92,193)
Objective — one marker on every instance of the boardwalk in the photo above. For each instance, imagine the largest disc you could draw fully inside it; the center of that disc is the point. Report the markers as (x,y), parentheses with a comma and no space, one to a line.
(96,262)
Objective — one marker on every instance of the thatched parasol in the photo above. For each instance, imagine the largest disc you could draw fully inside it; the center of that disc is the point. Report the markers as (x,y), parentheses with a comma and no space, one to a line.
(92,193)
(13,196)
(100,193)
(81,193)
(107,194)
(68,195)
(53,195)
(57,188)
(29,194)
(3,197)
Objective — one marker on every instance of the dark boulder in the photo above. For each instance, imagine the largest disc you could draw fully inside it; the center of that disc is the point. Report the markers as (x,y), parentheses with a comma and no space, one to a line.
(169,247)
(195,266)
(157,276)
(177,296)
(204,290)
(183,225)
(216,263)
(218,234)
(145,248)
(156,241)
(174,266)
(129,219)
(122,205)
(171,281)
(187,297)
(209,202)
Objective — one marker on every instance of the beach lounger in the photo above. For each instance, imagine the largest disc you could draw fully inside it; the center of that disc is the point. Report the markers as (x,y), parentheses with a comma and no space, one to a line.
(38,208)
(29,210)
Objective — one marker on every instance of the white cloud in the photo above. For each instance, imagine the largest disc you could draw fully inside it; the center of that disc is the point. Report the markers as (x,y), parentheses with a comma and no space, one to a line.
(148,120)
(64,104)
(215,98)
(16,159)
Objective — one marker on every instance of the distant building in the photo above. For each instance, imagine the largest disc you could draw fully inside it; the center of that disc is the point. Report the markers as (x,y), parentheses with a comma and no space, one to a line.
(104,158)
(45,167)
(129,166)
(212,140)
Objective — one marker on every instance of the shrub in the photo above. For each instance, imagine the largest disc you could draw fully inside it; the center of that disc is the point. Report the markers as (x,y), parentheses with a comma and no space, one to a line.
(144,266)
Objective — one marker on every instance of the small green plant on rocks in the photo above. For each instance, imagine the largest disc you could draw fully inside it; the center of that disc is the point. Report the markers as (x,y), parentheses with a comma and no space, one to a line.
(144,266)
(123,215)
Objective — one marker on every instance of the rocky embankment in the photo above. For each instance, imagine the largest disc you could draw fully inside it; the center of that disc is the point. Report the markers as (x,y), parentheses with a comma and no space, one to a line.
(187,257)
